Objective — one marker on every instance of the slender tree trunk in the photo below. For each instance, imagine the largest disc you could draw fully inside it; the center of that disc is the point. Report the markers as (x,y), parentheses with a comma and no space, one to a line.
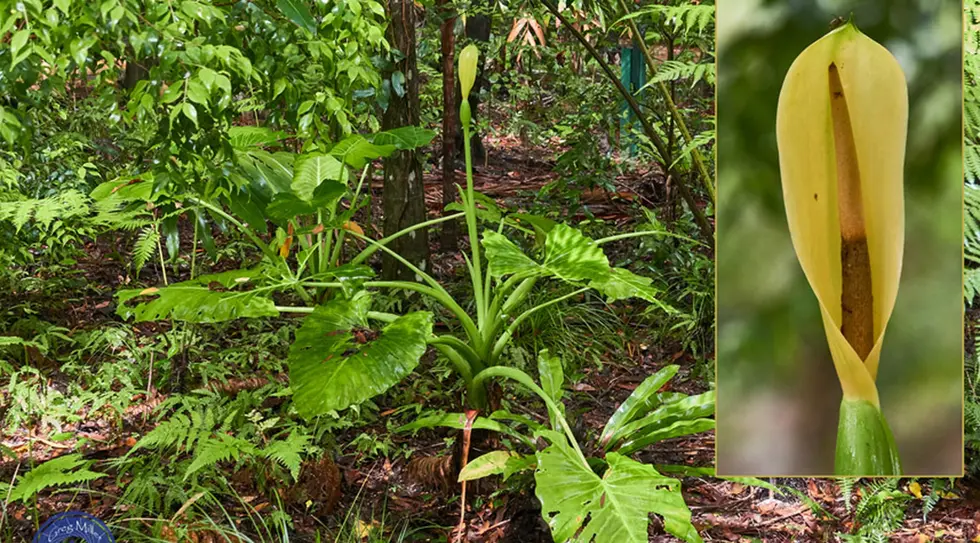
(450,230)
(403,200)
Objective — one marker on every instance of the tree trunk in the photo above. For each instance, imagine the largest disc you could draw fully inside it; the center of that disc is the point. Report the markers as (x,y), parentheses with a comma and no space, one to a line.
(403,199)
(450,230)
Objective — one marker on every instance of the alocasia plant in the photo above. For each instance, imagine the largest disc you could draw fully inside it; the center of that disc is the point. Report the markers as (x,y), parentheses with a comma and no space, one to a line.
(302,196)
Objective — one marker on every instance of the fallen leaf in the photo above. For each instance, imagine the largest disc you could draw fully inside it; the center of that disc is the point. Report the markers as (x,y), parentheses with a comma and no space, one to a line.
(352,226)
(915,489)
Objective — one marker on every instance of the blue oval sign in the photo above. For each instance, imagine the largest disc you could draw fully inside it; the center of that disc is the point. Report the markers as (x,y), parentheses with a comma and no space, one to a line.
(73,526)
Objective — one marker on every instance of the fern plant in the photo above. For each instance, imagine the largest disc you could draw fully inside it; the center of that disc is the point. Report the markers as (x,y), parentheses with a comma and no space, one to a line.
(70,469)
(971,227)
(204,432)
(879,511)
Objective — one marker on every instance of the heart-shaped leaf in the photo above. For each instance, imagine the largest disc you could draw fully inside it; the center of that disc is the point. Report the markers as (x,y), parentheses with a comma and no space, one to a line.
(330,371)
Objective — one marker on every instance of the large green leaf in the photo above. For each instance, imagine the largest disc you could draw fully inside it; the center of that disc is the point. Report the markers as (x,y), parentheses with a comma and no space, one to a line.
(286,205)
(642,400)
(245,137)
(297,12)
(356,151)
(505,258)
(487,209)
(406,137)
(491,463)
(209,298)
(329,371)
(580,506)
(572,256)
(541,226)
(620,284)
(311,170)
(688,408)
(552,376)
(124,189)
(677,429)
(272,172)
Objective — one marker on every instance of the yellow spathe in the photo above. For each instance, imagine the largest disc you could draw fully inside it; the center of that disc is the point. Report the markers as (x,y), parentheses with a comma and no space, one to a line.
(467,69)
(877,97)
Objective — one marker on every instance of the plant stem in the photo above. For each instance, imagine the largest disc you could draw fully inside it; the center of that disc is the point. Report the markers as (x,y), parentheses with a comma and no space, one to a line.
(618,237)
(163,263)
(461,347)
(524,379)
(471,226)
(462,367)
(194,244)
(674,113)
(648,129)
(323,246)
(371,249)
(505,337)
(293,309)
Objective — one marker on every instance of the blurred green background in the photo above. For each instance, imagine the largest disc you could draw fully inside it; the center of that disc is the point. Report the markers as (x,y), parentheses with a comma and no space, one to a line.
(778,394)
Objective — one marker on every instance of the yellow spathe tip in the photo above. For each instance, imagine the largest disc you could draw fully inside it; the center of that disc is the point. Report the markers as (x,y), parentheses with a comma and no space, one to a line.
(467,69)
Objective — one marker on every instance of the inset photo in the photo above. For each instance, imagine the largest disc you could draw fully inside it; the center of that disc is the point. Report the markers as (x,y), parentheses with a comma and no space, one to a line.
(839,238)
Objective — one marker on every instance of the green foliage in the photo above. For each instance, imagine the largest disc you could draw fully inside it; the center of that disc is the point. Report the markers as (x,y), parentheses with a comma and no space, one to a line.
(353,373)
(145,246)
(648,416)
(70,469)
(685,17)
(616,504)
(209,298)
(971,227)
(879,511)
(213,434)
(582,499)
(676,70)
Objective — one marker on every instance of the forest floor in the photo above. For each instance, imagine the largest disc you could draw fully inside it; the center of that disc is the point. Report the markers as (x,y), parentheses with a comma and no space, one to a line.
(384,486)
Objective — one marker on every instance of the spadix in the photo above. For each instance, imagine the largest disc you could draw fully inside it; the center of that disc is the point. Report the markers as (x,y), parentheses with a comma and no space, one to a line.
(840,127)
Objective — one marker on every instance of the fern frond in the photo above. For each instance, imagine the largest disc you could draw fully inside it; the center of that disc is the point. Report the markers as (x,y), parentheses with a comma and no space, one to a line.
(971,285)
(67,204)
(676,70)
(146,244)
(174,434)
(971,227)
(70,469)
(846,485)
(220,448)
(683,18)
(287,452)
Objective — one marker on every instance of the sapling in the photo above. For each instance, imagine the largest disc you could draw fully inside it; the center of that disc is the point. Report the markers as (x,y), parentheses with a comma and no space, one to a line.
(840,129)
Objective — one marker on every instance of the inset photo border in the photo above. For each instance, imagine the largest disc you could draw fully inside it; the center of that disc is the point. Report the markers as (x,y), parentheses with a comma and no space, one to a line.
(839,239)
